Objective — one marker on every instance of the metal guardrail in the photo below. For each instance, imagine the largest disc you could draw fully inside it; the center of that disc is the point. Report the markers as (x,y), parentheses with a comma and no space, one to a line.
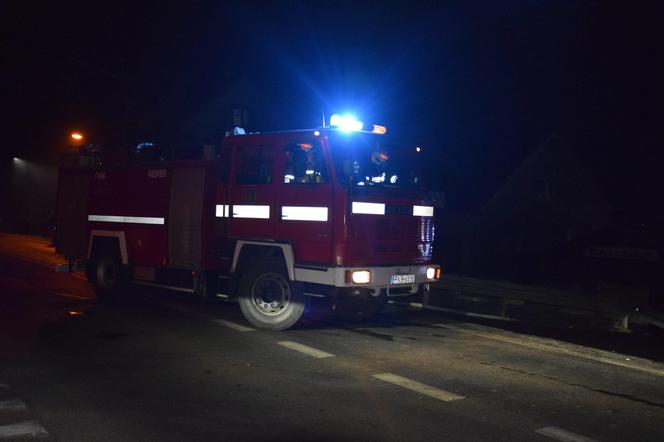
(515,302)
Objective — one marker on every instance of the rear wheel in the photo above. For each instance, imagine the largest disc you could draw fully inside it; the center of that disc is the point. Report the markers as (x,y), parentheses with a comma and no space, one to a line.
(268,299)
(107,275)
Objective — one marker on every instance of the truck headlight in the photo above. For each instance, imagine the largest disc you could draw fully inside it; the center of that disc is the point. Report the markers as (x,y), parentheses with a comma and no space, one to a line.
(433,273)
(358,276)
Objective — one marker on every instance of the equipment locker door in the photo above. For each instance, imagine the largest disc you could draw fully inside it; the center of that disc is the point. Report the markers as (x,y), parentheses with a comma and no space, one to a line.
(251,192)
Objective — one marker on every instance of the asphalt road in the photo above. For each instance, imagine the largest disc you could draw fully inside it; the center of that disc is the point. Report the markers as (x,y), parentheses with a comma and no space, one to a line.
(164,368)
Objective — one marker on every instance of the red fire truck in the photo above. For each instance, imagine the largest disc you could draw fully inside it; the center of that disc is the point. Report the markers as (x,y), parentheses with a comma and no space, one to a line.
(271,219)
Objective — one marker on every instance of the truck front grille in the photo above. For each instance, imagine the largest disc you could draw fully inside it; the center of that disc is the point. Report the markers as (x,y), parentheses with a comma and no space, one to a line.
(418,230)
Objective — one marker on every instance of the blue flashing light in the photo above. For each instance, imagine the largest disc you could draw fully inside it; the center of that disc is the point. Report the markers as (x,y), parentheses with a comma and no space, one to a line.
(346,123)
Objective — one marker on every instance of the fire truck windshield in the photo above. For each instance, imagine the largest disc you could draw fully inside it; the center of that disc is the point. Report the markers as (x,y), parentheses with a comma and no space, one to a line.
(362,159)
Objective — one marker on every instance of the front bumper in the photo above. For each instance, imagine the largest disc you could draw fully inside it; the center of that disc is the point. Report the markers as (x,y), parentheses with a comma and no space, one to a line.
(381,276)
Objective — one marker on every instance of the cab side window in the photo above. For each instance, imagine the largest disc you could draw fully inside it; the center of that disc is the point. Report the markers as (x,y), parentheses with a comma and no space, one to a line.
(304,163)
(254,165)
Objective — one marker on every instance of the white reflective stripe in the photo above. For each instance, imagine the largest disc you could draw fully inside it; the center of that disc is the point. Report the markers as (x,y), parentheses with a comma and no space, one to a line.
(369,208)
(222,211)
(422,211)
(126,219)
(251,211)
(303,213)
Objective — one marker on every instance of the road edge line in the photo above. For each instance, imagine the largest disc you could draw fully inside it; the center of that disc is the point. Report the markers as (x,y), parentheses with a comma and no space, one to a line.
(506,339)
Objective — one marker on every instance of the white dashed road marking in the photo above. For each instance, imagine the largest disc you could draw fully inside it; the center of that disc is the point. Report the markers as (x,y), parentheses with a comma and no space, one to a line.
(418,387)
(233,325)
(23,429)
(13,405)
(306,349)
(562,435)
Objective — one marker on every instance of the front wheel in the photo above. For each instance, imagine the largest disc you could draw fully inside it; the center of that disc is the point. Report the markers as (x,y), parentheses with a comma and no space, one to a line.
(268,299)
(107,275)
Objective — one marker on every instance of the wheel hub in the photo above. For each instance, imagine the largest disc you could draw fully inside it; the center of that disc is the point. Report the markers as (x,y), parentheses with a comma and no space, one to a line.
(271,294)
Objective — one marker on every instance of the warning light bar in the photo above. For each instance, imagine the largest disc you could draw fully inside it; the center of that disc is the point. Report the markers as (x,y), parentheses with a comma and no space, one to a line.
(346,123)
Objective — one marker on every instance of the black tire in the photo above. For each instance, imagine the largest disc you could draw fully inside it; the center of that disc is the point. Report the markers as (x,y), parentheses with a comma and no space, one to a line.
(268,299)
(107,275)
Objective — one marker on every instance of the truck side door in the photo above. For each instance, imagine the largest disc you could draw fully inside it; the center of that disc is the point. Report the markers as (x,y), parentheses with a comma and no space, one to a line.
(304,200)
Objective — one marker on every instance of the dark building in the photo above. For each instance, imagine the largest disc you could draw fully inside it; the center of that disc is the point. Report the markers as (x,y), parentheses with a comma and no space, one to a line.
(238,105)
(523,230)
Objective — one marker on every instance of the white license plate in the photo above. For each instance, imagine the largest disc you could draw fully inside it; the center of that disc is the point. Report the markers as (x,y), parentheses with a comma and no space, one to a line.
(403,279)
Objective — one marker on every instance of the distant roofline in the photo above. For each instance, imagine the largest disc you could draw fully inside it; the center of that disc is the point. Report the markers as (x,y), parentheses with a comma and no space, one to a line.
(322,129)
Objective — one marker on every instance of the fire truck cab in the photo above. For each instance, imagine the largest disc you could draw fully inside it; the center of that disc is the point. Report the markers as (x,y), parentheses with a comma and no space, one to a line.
(272,220)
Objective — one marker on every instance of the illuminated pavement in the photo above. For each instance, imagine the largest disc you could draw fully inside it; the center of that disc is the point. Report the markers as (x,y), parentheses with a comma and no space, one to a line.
(164,368)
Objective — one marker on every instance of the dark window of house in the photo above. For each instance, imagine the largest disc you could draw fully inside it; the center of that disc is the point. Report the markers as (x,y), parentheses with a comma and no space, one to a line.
(253,165)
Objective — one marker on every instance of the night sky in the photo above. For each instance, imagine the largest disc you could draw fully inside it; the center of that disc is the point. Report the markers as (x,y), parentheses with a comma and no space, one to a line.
(478,85)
